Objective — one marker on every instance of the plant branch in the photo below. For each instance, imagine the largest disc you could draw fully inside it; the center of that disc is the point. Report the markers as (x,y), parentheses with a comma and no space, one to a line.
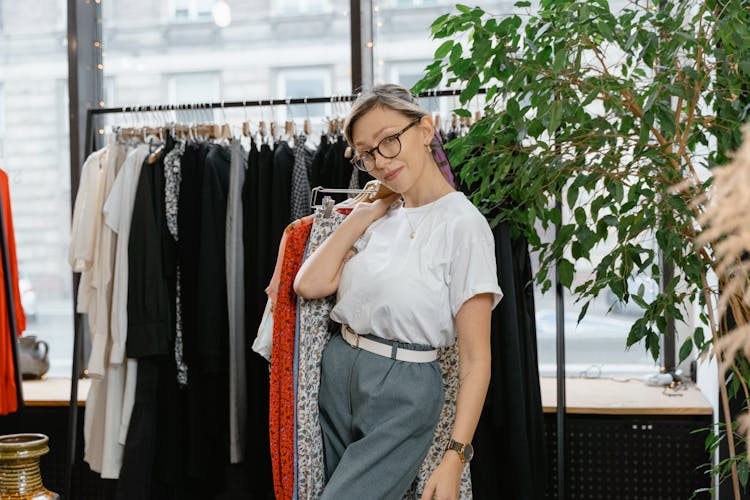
(722,389)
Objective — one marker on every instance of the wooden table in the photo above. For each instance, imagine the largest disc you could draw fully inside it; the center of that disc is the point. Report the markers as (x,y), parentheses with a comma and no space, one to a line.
(627,397)
(53,392)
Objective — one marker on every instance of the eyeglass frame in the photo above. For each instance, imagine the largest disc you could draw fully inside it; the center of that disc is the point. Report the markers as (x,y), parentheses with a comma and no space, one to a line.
(358,159)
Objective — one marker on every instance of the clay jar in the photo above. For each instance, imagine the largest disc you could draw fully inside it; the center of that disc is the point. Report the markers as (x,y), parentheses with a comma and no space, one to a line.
(20,478)
(34,357)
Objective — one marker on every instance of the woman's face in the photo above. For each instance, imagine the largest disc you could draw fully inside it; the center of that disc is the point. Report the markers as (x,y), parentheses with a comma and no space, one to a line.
(401,172)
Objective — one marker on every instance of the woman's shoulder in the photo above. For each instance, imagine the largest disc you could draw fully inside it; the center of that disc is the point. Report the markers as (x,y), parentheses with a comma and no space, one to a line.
(464,220)
(458,209)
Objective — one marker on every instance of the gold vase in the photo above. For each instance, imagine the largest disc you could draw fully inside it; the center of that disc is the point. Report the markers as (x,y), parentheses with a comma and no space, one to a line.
(20,478)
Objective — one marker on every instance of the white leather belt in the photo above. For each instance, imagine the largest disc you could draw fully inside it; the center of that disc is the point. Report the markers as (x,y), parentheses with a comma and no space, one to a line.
(386,350)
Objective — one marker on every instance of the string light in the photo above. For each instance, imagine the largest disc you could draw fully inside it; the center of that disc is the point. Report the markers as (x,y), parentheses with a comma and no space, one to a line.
(100,66)
(101,131)
(370,45)
(101,103)
(97,44)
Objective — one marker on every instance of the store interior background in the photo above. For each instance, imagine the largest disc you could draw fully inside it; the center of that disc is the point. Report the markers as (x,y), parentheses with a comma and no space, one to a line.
(175,51)
(194,52)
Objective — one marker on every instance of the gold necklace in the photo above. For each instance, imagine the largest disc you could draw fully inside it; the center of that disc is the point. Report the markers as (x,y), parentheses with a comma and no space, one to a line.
(414,228)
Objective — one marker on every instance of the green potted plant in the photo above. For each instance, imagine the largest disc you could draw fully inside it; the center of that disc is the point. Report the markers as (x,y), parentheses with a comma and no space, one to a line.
(619,117)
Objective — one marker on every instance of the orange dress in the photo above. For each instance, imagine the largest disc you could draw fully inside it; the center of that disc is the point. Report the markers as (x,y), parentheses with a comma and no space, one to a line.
(8,399)
(281,390)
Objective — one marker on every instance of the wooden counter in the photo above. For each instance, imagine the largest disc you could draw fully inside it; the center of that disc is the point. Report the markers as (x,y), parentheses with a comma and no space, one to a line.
(631,397)
(584,396)
(53,392)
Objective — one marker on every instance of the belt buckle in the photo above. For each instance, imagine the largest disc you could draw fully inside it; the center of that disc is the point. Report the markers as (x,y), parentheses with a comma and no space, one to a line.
(356,336)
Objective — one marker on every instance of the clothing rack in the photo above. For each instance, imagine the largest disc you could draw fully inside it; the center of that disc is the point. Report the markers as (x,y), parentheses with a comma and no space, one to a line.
(9,298)
(322,190)
(91,114)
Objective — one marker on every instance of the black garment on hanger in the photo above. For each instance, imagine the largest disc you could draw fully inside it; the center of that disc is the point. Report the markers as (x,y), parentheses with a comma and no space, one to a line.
(281,192)
(148,306)
(339,165)
(266,247)
(208,380)
(364,178)
(330,168)
(317,175)
(188,250)
(510,460)
(197,480)
(255,206)
(153,439)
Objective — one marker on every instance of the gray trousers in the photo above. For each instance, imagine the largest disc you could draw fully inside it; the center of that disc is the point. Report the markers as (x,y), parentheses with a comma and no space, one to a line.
(378,417)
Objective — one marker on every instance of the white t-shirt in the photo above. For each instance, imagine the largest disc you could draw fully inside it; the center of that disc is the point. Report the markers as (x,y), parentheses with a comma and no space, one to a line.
(84,232)
(410,290)
(118,213)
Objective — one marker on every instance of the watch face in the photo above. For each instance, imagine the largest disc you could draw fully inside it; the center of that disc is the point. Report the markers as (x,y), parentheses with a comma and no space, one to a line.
(468,452)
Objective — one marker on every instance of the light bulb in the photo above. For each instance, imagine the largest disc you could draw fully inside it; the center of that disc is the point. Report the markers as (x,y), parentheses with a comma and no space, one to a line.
(222,14)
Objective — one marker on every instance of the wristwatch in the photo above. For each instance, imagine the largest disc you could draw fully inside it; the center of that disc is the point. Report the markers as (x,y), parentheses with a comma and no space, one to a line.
(465,451)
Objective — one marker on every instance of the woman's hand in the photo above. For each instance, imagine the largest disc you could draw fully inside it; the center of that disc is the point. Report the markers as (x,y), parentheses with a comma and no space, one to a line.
(320,273)
(445,481)
(376,209)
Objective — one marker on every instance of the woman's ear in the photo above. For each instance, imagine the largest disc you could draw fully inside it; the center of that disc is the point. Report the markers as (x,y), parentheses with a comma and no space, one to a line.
(427,129)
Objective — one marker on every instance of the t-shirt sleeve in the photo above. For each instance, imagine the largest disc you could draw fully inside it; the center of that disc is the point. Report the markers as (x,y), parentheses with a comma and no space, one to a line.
(111,208)
(473,266)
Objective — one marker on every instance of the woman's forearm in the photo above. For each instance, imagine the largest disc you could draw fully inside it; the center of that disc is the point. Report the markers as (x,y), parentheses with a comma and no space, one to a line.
(319,274)
(472,391)
(473,325)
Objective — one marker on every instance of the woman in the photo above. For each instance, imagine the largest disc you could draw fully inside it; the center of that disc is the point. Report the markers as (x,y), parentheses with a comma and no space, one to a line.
(410,277)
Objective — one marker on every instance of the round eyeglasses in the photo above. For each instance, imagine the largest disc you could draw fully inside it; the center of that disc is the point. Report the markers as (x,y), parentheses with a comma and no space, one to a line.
(388,147)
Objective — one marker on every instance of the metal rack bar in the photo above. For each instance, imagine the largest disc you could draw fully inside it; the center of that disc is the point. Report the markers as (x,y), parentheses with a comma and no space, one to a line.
(255,103)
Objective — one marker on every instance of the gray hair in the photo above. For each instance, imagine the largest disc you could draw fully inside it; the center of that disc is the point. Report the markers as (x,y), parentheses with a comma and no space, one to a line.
(387,95)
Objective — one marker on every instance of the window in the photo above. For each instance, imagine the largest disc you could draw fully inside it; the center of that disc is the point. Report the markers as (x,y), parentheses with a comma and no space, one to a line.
(261,56)
(299,7)
(595,347)
(401,33)
(194,88)
(192,10)
(2,122)
(34,146)
(407,75)
(411,3)
(305,83)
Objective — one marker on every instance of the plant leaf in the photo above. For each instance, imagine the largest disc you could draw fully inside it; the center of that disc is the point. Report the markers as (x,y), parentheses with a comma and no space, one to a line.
(742,472)
(686,349)
(444,49)
(566,270)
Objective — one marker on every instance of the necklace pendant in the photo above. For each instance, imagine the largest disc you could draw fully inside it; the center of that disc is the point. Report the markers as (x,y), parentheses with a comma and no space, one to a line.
(411,236)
